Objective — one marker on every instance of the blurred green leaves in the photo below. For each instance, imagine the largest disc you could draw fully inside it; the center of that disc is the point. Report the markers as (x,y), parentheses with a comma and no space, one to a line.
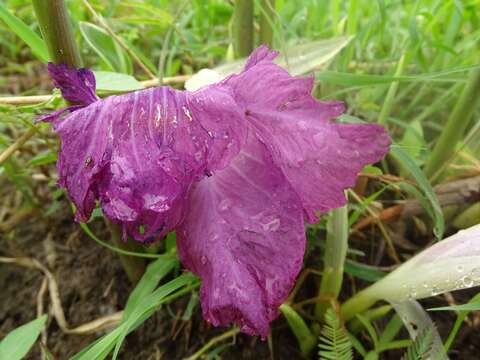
(35,42)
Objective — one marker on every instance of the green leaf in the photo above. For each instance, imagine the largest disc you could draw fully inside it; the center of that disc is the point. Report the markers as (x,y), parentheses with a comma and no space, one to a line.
(19,341)
(351,79)
(299,59)
(106,47)
(43,159)
(424,184)
(113,81)
(139,308)
(473,306)
(413,140)
(334,343)
(362,271)
(154,273)
(421,347)
(300,329)
(34,42)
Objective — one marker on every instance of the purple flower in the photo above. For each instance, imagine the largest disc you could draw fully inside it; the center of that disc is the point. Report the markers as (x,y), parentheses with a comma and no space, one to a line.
(235,168)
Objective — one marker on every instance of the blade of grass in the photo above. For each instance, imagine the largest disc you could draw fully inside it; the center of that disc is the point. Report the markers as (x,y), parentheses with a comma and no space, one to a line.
(34,42)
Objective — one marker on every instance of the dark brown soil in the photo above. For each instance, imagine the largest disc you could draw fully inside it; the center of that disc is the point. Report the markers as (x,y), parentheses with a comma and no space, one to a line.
(92,284)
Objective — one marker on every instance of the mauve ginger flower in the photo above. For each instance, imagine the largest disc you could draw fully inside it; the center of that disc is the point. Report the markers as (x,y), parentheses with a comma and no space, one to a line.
(235,168)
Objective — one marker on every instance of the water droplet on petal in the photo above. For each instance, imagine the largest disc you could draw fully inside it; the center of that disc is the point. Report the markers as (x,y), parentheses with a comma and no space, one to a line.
(272,225)
(225,204)
(460,268)
(203,259)
(435,291)
(467,281)
(475,274)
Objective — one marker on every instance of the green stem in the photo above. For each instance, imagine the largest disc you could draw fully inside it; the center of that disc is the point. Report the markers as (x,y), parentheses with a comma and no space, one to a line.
(57,32)
(455,127)
(267,22)
(392,91)
(358,304)
(134,266)
(243,28)
(334,259)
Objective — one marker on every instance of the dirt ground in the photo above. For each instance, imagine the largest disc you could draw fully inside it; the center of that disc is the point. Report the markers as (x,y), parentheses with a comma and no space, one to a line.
(92,284)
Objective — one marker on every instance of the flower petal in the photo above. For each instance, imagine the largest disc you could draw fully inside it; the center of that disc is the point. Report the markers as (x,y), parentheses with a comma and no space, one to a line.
(138,153)
(318,157)
(76,85)
(244,236)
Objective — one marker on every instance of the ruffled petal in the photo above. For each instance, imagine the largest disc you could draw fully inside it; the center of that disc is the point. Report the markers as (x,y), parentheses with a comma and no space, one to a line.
(319,158)
(138,154)
(76,85)
(244,236)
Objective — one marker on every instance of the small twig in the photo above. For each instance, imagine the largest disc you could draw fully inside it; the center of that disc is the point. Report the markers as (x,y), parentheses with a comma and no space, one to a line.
(40,296)
(99,19)
(16,145)
(212,342)
(391,248)
(38,99)
(88,328)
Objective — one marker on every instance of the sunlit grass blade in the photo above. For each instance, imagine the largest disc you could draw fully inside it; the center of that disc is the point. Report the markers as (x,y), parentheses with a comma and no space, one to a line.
(409,164)
(19,341)
(305,337)
(34,42)
(106,47)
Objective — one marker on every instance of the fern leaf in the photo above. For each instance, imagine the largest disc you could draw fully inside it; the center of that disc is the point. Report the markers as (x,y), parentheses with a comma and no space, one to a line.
(421,347)
(334,342)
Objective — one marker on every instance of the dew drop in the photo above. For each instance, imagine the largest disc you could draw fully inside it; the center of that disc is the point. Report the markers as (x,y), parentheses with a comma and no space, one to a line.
(224,204)
(412,292)
(467,281)
(475,274)
(460,268)
(88,162)
(203,259)
(272,225)
(435,291)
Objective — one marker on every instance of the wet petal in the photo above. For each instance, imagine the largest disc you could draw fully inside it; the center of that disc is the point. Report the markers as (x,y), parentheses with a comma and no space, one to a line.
(76,85)
(138,154)
(318,157)
(244,236)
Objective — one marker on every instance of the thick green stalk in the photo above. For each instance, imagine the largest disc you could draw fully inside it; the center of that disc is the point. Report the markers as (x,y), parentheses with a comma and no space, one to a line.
(359,303)
(57,32)
(267,13)
(455,127)
(334,259)
(243,28)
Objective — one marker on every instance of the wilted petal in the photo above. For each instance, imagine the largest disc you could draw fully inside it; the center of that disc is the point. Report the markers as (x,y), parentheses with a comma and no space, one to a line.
(318,157)
(76,85)
(244,236)
(138,153)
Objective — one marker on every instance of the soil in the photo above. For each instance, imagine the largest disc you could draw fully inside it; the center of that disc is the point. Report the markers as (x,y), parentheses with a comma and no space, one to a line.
(92,284)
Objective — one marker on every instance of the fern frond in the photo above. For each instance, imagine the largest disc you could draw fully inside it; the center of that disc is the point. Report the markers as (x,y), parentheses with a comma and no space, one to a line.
(334,342)
(421,347)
